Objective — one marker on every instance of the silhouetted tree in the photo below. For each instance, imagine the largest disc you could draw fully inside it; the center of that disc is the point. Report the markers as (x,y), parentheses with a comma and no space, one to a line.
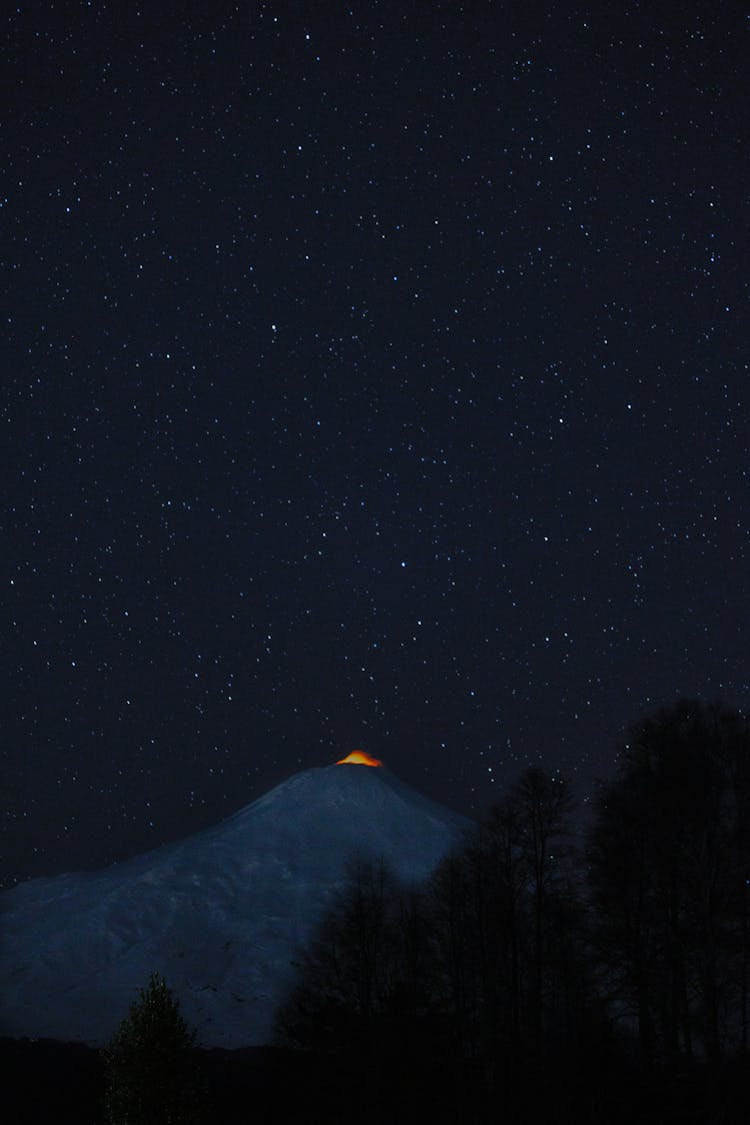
(623,891)
(667,855)
(543,807)
(363,990)
(346,973)
(480,923)
(507,928)
(737,733)
(150,1064)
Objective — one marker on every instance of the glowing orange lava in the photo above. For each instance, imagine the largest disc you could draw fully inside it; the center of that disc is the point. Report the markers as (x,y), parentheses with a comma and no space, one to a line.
(359,758)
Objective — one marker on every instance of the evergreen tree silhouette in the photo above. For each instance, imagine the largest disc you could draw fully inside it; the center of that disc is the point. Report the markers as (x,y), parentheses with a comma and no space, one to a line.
(150,1073)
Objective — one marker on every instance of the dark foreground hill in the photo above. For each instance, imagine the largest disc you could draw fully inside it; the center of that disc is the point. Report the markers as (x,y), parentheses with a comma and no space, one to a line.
(50,1083)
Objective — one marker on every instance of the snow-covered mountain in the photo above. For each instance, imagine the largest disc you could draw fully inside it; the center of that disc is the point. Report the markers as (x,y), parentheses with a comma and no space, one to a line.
(221,914)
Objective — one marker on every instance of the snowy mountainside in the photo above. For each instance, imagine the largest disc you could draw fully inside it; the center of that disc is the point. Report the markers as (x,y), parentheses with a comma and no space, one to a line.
(221,914)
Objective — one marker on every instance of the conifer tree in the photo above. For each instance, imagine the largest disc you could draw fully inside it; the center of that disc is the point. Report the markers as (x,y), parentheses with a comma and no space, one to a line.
(149,1065)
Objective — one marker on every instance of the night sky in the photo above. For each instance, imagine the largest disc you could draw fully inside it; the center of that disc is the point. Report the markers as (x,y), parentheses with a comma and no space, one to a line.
(373,375)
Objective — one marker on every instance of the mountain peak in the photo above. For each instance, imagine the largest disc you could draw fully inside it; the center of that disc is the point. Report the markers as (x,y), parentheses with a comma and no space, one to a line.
(359,758)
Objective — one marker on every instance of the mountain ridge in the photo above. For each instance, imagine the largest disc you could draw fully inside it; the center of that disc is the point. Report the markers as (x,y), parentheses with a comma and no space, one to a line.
(221,913)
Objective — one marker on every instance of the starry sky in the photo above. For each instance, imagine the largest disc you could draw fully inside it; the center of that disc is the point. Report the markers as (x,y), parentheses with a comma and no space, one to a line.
(374,375)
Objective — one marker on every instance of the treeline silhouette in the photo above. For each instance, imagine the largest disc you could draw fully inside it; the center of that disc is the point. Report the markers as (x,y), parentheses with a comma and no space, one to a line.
(541,976)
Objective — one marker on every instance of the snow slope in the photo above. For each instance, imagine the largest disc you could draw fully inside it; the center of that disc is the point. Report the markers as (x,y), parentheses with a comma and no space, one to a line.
(221,914)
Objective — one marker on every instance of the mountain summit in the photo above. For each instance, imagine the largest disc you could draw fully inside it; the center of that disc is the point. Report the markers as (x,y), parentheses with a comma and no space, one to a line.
(221,914)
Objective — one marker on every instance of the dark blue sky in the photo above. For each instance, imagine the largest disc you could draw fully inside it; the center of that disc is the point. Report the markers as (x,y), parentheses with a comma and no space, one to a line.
(374,375)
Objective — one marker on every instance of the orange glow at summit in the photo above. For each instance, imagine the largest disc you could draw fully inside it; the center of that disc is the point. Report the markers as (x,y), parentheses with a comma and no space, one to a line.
(359,758)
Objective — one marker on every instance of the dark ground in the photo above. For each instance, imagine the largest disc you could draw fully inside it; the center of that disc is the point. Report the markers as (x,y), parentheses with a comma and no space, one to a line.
(48,1082)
